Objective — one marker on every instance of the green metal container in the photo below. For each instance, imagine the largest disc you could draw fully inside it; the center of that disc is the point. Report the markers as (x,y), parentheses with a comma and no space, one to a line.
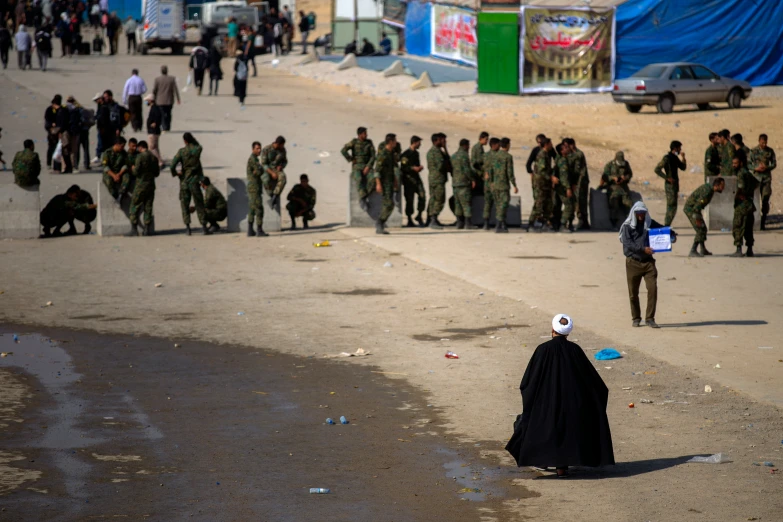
(498,53)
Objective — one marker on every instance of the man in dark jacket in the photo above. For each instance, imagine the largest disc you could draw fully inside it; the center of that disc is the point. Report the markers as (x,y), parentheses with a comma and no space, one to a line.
(154,121)
(110,120)
(6,41)
(43,46)
(50,124)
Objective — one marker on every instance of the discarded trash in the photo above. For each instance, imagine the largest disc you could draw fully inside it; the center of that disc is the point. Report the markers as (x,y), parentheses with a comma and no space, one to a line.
(318,491)
(765,347)
(651,372)
(696,169)
(725,230)
(717,366)
(627,389)
(329,421)
(607,354)
(176,345)
(317,162)
(647,401)
(387,264)
(534,116)
(49,303)
(360,352)
(470,490)
(240,313)
(769,464)
(16,338)
(707,389)
(631,405)
(718,458)
(275,63)
(6,354)
(343,420)
(451,355)
(322,244)
(323,154)
(158,285)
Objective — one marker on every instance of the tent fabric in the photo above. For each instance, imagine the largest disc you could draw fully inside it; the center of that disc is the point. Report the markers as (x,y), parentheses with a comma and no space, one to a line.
(418,28)
(736,38)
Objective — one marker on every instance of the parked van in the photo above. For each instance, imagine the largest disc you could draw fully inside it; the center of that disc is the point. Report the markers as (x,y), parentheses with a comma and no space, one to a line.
(162,26)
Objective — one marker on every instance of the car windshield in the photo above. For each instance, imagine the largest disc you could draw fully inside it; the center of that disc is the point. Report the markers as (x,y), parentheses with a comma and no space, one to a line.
(651,71)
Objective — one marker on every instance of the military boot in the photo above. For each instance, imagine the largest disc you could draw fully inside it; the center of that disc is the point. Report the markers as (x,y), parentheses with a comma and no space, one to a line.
(500,228)
(704,250)
(434,224)
(187,230)
(420,220)
(749,252)
(205,231)
(363,204)
(260,232)
(763,222)
(305,225)
(486,224)
(293,222)
(379,228)
(134,231)
(738,253)
(250,231)
(694,252)
(460,223)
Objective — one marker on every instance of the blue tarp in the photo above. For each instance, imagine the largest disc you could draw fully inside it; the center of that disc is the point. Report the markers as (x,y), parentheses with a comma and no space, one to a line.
(418,29)
(439,72)
(741,39)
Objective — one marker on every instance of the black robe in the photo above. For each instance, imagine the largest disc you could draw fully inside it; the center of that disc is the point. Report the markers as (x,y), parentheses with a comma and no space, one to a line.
(564,420)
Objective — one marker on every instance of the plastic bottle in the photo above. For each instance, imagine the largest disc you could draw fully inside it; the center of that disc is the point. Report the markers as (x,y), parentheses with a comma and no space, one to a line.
(319,491)
(343,420)
(329,421)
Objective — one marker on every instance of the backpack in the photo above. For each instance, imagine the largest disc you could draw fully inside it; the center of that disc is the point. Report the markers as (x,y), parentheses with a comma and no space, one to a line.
(88,118)
(241,70)
(311,20)
(115,115)
(200,60)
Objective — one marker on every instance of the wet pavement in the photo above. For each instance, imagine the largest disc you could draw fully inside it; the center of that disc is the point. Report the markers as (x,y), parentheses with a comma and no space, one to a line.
(159,429)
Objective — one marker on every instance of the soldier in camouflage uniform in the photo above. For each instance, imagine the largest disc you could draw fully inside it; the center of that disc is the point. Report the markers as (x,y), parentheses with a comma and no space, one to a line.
(462,182)
(578,165)
(115,168)
(215,206)
(397,154)
(145,170)
(439,166)
(27,166)
(739,144)
(617,174)
(360,153)
(742,225)
(255,193)
(694,206)
(726,153)
(62,209)
(762,163)
(273,162)
(502,181)
(712,158)
(301,202)
(668,169)
(410,166)
(385,182)
(477,161)
(543,177)
(489,196)
(565,189)
(130,178)
(190,178)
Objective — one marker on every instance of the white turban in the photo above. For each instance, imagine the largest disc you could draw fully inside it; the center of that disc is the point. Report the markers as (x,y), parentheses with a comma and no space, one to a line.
(562,329)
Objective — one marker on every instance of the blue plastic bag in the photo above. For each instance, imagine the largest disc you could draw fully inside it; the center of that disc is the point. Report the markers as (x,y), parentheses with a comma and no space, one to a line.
(607,354)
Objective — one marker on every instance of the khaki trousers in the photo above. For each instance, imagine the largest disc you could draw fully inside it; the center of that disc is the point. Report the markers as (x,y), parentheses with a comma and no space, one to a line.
(635,271)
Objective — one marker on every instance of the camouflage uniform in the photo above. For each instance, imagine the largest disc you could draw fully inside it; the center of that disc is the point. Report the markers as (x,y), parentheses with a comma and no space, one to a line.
(759,156)
(696,202)
(461,182)
(254,191)
(385,166)
(117,162)
(146,169)
(128,181)
(272,158)
(620,201)
(669,167)
(711,162)
(726,154)
(190,179)
(411,182)
(438,166)
(27,168)
(362,154)
(306,194)
(568,179)
(502,181)
(489,196)
(477,162)
(742,226)
(397,155)
(579,170)
(542,174)
(215,207)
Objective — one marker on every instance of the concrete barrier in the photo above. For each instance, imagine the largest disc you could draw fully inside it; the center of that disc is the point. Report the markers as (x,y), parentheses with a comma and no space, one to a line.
(513,215)
(424,82)
(20,211)
(599,209)
(394,69)
(360,218)
(112,219)
(310,58)
(348,62)
(719,214)
(236,199)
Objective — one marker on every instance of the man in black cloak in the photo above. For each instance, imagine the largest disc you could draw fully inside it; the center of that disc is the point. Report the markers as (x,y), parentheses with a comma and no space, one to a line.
(564,420)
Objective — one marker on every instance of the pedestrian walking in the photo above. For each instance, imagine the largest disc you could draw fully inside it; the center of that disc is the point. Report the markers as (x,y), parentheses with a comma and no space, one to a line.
(88,121)
(639,262)
(165,90)
(43,46)
(668,169)
(131,97)
(199,59)
(249,49)
(215,72)
(6,43)
(130,33)
(50,125)
(564,421)
(113,27)
(24,46)
(694,205)
(233,36)
(74,132)
(240,78)
(63,32)
(154,121)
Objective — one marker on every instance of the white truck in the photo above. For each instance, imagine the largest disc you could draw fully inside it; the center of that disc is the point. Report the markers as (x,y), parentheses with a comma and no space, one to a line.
(162,25)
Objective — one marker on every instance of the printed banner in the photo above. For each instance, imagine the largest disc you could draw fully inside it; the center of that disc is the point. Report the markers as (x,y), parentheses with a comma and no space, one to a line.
(394,12)
(566,49)
(454,34)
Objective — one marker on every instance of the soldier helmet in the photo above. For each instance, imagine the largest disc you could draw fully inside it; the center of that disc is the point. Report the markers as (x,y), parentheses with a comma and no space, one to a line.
(619,158)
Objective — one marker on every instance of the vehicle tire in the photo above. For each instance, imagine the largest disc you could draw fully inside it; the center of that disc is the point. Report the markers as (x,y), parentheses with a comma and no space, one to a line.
(665,103)
(144,50)
(735,99)
(703,106)
(177,49)
(633,109)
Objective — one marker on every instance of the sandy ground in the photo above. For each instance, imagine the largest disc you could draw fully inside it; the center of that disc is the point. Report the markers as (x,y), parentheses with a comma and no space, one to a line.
(444,291)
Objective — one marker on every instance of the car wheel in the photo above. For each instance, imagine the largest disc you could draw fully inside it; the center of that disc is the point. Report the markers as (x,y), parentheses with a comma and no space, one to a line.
(665,104)
(703,106)
(735,99)
(633,109)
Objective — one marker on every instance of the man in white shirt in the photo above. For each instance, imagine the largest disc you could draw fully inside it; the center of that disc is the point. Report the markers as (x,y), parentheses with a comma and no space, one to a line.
(131,97)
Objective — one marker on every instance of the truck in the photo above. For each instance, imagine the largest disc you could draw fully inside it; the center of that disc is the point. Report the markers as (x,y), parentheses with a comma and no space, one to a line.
(162,26)
(215,14)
